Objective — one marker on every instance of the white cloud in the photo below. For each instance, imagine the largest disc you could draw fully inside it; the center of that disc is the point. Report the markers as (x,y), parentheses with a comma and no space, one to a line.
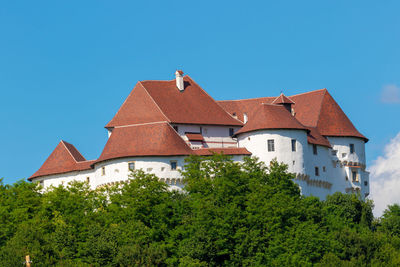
(390,94)
(385,177)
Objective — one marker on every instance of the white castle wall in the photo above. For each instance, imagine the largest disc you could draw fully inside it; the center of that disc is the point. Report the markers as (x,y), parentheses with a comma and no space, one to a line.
(334,175)
(117,170)
(256,143)
(65,178)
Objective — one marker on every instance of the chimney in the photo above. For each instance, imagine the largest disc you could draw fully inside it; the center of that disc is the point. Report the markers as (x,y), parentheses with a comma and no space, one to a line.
(179,80)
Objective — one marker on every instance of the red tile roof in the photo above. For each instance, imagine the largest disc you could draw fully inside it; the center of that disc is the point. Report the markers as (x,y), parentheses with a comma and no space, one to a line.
(268,116)
(225,151)
(154,101)
(155,139)
(312,109)
(239,107)
(138,108)
(334,122)
(64,158)
(314,137)
(282,99)
(195,136)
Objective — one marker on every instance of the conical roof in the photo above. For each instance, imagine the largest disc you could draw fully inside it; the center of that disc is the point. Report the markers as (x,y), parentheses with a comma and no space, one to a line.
(153,139)
(64,158)
(268,116)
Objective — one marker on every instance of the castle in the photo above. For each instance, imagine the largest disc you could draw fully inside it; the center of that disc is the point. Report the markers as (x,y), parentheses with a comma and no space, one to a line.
(162,122)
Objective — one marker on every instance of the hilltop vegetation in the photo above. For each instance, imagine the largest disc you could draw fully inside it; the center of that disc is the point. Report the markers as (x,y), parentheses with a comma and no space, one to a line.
(231,214)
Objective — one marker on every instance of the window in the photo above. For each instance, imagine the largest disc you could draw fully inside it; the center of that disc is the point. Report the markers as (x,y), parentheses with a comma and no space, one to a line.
(149,169)
(294,162)
(355,176)
(293,145)
(173,164)
(334,152)
(201,129)
(324,169)
(316,171)
(315,149)
(365,183)
(103,171)
(131,166)
(175,128)
(162,169)
(41,183)
(87,179)
(230,131)
(351,148)
(344,155)
(271,145)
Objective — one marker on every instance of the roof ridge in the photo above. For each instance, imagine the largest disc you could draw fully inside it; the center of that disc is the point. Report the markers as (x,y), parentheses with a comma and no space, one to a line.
(126,99)
(213,99)
(140,124)
(313,91)
(63,142)
(320,107)
(154,102)
(255,98)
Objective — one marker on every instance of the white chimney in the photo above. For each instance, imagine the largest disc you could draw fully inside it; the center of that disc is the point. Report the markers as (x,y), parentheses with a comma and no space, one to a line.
(179,80)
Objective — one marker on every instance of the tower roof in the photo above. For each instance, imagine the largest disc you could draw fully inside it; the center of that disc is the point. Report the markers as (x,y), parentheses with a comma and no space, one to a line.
(64,158)
(316,109)
(153,139)
(268,116)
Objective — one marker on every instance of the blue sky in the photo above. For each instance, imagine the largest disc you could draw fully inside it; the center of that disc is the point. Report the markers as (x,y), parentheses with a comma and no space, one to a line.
(67,66)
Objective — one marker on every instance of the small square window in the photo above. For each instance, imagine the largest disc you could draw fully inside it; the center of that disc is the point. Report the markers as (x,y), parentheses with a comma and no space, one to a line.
(324,169)
(293,145)
(351,148)
(162,169)
(271,145)
(149,169)
(231,131)
(103,171)
(365,183)
(173,165)
(131,166)
(334,152)
(315,149)
(87,179)
(316,171)
(344,155)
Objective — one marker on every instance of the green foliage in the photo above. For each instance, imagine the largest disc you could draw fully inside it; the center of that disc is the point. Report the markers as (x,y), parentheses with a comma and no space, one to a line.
(230,214)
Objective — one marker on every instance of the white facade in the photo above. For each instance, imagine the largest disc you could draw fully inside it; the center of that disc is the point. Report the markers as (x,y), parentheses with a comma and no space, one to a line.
(329,170)
(319,174)
(114,171)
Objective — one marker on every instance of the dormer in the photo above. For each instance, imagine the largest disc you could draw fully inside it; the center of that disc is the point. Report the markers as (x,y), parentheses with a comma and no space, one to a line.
(284,101)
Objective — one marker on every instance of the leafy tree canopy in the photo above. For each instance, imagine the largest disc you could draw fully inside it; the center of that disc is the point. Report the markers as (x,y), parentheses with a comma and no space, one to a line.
(229,214)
